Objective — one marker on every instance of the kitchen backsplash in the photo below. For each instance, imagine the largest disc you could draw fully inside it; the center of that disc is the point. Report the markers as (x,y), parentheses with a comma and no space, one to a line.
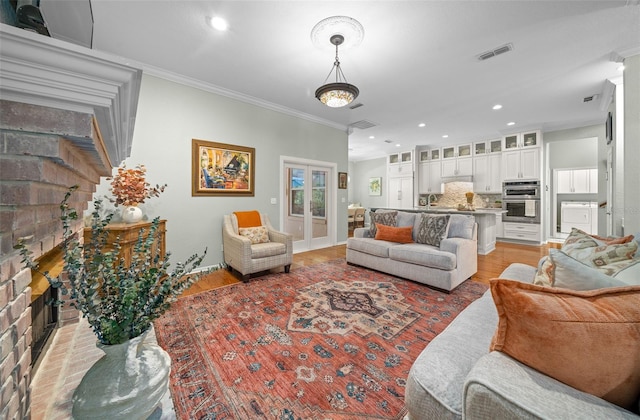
(454,194)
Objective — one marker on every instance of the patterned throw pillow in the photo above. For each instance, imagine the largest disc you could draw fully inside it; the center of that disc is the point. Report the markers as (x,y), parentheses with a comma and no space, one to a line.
(545,274)
(257,235)
(387,218)
(433,229)
(600,256)
(578,240)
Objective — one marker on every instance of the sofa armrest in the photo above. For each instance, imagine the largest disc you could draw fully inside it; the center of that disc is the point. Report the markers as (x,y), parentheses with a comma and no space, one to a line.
(466,251)
(362,233)
(498,386)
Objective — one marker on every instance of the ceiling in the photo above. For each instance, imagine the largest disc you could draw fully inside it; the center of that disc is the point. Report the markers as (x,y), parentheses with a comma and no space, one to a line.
(417,62)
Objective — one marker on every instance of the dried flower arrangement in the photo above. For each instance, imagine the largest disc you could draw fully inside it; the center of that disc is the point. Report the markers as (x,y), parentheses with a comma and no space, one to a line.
(130,187)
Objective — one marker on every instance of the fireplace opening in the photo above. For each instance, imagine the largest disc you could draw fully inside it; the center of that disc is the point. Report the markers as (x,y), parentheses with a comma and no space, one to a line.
(44,315)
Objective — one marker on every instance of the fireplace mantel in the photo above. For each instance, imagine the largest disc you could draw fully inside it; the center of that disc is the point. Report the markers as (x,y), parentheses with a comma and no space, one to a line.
(39,70)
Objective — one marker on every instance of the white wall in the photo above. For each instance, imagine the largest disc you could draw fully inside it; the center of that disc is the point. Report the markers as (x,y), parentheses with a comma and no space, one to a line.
(170,115)
(361,171)
(631,145)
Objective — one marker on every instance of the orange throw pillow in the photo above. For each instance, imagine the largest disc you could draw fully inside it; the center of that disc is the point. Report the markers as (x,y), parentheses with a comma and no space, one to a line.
(394,234)
(248,219)
(589,340)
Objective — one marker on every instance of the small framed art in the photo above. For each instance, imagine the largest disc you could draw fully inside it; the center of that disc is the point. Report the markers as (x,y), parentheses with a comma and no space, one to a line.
(342,180)
(375,186)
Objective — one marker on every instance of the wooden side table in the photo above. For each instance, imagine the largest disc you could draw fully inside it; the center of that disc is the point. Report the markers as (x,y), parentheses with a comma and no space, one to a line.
(129,233)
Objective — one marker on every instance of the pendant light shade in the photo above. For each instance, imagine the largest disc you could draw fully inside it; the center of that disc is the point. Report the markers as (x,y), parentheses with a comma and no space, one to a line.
(339,93)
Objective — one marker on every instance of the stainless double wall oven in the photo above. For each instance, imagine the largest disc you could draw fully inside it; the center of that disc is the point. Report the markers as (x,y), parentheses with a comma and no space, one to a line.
(521,200)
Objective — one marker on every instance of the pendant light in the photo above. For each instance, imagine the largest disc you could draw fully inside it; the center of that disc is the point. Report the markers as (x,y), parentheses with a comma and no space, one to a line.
(339,93)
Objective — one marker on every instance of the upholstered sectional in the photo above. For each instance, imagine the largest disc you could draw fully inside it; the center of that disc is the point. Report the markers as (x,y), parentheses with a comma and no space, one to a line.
(457,376)
(443,267)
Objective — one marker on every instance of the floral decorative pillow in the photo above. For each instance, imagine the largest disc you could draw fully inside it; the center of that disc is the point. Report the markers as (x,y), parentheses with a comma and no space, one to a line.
(387,218)
(578,240)
(600,256)
(545,274)
(433,229)
(257,234)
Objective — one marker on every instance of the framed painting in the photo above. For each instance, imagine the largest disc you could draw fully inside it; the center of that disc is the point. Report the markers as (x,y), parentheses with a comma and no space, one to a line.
(222,169)
(342,180)
(375,186)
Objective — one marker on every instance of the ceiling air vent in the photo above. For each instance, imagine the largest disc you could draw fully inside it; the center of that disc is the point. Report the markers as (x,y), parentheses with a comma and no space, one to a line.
(363,124)
(354,106)
(388,141)
(496,51)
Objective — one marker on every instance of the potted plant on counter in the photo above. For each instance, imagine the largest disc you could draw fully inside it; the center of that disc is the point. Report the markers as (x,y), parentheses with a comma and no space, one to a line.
(120,300)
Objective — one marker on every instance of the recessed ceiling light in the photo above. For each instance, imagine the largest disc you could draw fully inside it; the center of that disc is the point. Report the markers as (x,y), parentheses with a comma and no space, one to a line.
(398,145)
(621,68)
(497,106)
(445,136)
(421,125)
(511,123)
(217,23)
(372,137)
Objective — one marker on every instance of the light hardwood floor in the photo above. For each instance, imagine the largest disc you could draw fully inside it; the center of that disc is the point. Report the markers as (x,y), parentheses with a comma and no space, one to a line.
(489,266)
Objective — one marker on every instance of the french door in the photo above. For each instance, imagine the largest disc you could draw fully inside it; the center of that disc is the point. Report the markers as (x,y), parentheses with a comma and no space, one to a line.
(308,192)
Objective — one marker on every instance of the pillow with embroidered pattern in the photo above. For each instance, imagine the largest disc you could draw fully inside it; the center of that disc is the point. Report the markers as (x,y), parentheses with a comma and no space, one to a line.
(387,218)
(433,229)
(257,234)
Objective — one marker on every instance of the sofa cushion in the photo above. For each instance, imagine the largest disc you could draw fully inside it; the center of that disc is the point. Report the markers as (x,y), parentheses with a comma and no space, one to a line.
(371,246)
(395,234)
(631,274)
(384,217)
(268,249)
(568,335)
(461,226)
(404,218)
(432,229)
(423,255)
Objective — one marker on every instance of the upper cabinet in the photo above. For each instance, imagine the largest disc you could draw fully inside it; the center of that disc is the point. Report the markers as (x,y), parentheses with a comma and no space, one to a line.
(487,173)
(451,152)
(489,146)
(521,156)
(577,181)
(400,164)
(522,140)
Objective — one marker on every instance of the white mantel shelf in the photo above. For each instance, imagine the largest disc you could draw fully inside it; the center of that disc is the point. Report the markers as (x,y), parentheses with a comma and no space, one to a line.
(39,70)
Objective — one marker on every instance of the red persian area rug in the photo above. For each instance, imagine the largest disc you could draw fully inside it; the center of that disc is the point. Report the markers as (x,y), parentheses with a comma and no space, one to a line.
(328,341)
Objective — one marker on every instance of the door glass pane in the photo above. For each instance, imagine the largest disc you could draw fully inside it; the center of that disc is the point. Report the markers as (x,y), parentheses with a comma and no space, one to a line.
(318,205)
(296,206)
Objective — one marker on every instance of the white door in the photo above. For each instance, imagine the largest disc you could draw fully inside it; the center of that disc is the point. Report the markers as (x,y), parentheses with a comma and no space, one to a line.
(306,212)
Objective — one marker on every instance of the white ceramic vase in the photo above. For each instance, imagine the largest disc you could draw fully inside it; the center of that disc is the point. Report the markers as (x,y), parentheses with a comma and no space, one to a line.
(131,214)
(128,382)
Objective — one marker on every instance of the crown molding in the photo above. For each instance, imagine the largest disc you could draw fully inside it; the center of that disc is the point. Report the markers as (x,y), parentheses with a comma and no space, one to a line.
(39,70)
(208,87)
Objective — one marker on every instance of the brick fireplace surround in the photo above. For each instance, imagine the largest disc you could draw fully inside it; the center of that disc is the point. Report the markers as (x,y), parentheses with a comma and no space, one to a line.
(66,118)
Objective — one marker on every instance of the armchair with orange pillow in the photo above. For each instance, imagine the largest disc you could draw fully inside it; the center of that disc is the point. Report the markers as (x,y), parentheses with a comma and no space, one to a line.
(252,245)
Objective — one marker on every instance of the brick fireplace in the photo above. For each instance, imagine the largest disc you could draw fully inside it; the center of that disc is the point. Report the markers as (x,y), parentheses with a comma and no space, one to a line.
(66,118)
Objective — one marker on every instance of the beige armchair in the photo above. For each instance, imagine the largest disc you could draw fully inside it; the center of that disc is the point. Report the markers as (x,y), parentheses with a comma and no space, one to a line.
(247,258)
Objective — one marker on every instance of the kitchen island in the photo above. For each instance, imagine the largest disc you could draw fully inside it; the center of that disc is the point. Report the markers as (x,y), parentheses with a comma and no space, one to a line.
(485,218)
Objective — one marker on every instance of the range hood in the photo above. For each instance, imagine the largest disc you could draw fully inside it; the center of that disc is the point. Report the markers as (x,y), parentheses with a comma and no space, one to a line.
(457,178)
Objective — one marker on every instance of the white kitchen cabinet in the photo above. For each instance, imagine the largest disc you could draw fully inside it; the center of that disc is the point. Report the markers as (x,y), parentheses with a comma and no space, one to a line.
(522,231)
(522,140)
(521,164)
(460,166)
(487,173)
(462,150)
(430,179)
(400,165)
(489,146)
(499,226)
(400,193)
(577,181)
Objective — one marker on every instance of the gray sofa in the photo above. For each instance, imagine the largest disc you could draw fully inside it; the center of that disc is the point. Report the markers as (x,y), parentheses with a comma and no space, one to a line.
(457,377)
(444,267)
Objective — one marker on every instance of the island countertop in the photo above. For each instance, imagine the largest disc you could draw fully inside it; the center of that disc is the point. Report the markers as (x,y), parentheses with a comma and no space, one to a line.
(485,218)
